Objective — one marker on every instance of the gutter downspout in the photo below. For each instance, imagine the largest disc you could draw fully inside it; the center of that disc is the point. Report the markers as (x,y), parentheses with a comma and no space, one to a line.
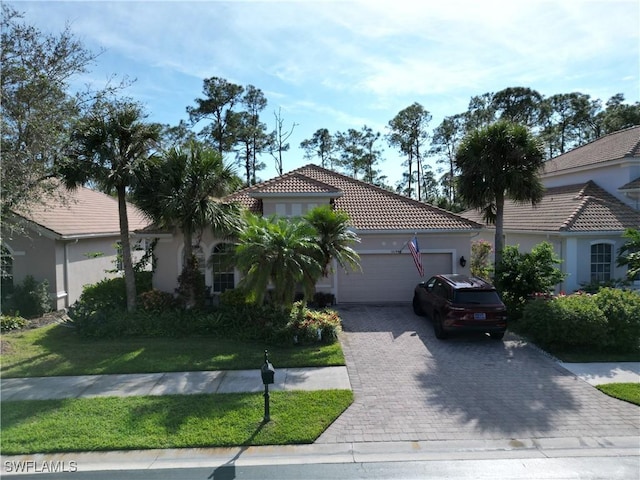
(65,272)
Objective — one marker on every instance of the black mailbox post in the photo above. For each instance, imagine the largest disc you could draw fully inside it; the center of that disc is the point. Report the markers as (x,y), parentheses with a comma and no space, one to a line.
(268,374)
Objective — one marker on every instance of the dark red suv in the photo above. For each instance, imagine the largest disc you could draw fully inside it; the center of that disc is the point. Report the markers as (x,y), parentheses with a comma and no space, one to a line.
(461,303)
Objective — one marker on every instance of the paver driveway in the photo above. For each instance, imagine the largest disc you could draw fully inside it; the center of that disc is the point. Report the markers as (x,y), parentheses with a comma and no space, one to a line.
(409,386)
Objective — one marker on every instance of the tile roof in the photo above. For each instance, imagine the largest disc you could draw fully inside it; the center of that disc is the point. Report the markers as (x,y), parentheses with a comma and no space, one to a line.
(369,207)
(294,182)
(632,185)
(615,146)
(83,212)
(584,207)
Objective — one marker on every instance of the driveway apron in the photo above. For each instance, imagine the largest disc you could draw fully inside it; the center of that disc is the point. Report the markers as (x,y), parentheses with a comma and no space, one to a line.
(409,386)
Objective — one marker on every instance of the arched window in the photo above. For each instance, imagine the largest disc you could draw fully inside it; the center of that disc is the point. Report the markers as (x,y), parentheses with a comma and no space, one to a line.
(223,276)
(601,262)
(6,271)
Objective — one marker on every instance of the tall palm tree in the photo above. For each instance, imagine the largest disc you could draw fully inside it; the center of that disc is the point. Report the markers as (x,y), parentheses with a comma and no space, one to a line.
(108,146)
(181,188)
(500,161)
(334,237)
(279,252)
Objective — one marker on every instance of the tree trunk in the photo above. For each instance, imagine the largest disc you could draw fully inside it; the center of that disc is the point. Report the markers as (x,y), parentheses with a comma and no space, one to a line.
(127,263)
(188,253)
(499,236)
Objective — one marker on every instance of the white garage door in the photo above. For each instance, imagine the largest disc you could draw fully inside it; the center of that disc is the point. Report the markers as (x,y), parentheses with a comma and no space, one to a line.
(388,277)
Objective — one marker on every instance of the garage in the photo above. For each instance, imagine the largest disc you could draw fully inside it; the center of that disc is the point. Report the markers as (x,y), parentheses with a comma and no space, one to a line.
(388,277)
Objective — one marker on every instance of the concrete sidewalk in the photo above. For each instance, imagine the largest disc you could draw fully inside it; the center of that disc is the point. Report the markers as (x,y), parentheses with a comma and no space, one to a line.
(233,381)
(599,373)
(172,383)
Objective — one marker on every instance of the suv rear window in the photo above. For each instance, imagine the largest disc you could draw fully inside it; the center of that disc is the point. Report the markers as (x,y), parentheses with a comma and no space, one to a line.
(479,297)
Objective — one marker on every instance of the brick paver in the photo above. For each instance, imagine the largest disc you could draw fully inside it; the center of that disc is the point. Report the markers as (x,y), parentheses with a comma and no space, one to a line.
(409,386)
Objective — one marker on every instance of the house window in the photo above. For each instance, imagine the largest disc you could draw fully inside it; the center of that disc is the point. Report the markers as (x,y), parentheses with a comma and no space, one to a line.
(223,276)
(6,270)
(601,261)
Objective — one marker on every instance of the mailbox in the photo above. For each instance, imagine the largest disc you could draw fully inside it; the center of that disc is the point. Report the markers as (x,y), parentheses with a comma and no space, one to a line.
(267,371)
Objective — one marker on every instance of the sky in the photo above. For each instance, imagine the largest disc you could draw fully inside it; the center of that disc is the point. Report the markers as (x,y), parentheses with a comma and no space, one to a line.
(346,64)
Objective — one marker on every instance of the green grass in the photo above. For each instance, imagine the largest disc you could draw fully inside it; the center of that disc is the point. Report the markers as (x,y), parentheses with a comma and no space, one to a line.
(176,421)
(629,392)
(57,350)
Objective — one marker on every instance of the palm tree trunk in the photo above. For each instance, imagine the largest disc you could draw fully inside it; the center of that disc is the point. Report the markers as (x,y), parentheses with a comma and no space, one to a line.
(127,263)
(499,236)
(188,254)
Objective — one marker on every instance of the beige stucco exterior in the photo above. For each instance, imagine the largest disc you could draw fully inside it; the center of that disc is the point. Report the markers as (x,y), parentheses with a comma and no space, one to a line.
(67,265)
(388,273)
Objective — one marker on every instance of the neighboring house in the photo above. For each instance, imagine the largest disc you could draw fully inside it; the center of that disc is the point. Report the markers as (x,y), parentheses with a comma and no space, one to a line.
(71,242)
(384,221)
(592,196)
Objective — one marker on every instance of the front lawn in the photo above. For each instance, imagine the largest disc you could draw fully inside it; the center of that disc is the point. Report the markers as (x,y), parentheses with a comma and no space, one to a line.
(57,350)
(629,392)
(175,421)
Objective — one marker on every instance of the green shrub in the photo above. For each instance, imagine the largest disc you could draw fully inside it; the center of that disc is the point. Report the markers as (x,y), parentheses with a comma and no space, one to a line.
(522,275)
(323,299)
(480,259)
(622,310)
(309,326)
(101,313)
(11,322)
(111,293)
(94,314)
(236,297)
(30,298)
(565,322)
(156,301)
(595,287)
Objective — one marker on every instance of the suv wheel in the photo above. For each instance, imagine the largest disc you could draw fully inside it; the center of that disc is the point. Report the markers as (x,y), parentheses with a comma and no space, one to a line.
(417,309)
(438,328)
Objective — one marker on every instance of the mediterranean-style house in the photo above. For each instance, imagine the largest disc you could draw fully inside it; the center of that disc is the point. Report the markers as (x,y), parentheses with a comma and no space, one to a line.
(384,221)
(70,241)
(592,195)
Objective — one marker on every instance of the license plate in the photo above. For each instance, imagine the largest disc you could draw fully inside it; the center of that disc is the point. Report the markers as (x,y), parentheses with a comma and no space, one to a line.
(480,316)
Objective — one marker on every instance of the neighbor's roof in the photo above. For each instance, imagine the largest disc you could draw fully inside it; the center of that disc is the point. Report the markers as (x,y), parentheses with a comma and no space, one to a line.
(83,212)
(572,208)
(632,185)
(615,146)
(369,207)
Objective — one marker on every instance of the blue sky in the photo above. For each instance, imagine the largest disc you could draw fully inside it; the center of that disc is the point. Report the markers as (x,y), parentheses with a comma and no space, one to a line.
(346,64)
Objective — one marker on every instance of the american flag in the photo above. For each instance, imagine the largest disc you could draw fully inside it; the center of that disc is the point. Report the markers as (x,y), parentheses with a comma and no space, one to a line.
(415,253)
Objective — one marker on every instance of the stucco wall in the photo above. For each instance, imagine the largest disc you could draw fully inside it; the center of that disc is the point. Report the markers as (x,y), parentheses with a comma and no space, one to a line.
(610,177)
(68,265)
(169,254)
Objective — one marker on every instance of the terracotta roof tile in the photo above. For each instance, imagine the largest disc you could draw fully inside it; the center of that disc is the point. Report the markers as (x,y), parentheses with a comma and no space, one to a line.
(84,212)
(369,207)
(296,183)
(632,185)
(617,145)
(573,208)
